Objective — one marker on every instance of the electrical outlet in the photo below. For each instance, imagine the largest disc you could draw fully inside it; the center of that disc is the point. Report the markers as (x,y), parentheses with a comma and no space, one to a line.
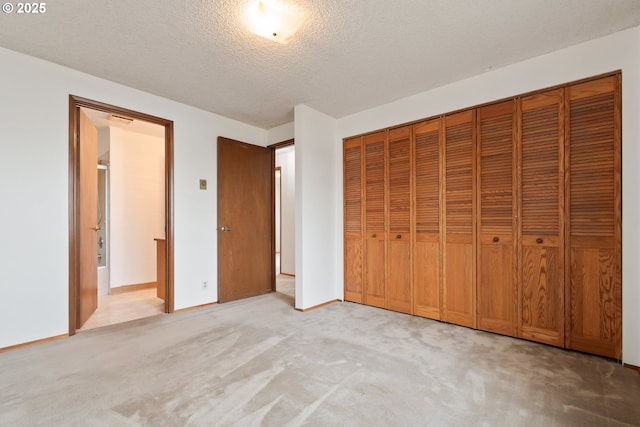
(205,284)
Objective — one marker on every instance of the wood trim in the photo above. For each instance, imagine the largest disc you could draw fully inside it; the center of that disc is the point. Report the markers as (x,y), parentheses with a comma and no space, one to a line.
(195,307)
(475,214)
(74,122)
(517,208)
(276,219)
(287,274)
(130,288)
(567,214)
(626,365)
(273,220)
(282,144)
(169,302)
(497,101)
(617,93)
(442,152)
(304,310)
(30,343)
(75,103)
(274,147)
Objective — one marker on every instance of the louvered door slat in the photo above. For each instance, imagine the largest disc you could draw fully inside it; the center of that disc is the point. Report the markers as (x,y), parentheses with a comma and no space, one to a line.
(594,205)
(353,238)
(374,202)
(541,269)
(459,286)
(374,152)
(496,246)
(427,219)
(399,236)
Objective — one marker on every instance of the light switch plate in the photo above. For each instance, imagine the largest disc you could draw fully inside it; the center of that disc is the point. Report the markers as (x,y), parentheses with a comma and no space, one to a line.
(203,184)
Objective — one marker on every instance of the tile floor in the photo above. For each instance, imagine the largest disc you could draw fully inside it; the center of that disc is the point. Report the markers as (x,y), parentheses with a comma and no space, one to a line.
(123,307)
(137,304)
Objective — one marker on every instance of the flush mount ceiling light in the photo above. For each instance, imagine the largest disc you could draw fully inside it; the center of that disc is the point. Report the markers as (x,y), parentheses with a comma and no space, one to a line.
(273,21)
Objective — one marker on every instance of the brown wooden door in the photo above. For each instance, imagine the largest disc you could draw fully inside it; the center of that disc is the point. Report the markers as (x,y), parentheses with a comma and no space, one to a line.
(497,213)
(426,252)
(399,234)
(353,238)
(87,294)
(459,256)
(594,217)
(246,257)
(374,286)
(541,261)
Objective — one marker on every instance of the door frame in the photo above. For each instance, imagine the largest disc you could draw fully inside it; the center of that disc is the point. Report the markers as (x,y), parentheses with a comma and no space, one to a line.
(275,147)
(277,228)
(75,103)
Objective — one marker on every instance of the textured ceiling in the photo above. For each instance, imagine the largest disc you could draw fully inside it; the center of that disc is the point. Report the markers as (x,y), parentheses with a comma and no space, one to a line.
(348,56)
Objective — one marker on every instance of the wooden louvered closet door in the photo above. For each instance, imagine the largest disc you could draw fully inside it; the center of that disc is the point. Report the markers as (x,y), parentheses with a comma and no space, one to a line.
(399,235)
(374,199)
(497,211)
(594,217)
(541,269)
(353,238)
(426,249)
(459,265)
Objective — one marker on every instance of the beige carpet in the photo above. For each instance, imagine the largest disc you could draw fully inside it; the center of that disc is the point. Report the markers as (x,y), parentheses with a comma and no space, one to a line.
(259,362)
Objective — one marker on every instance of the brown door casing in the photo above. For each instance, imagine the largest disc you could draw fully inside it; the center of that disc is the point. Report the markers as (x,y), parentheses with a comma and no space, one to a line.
(75,208)
(246,252)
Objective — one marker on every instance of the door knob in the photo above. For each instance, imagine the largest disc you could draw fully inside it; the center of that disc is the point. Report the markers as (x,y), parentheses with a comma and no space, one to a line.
(96,228)
(224,228)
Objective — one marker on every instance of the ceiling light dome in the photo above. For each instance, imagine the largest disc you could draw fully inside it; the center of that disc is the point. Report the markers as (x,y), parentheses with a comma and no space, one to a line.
(273,21)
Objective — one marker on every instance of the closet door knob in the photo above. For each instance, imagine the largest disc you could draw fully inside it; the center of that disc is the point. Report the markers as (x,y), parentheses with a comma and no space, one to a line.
(374,235)
(539,240)
(496,239)
(399,236)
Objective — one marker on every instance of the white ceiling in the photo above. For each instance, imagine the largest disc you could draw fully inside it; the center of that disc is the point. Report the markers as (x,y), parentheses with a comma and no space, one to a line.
(348,56)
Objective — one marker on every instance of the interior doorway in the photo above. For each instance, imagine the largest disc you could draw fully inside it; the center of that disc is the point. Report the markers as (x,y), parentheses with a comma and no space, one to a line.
(278,215)
(284,207)
(90,243)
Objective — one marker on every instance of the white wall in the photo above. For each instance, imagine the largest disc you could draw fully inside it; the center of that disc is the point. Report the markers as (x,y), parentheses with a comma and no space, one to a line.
(286,159)
(617,51)
(34,178)
(136,206)
(315,210)
(280,133)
